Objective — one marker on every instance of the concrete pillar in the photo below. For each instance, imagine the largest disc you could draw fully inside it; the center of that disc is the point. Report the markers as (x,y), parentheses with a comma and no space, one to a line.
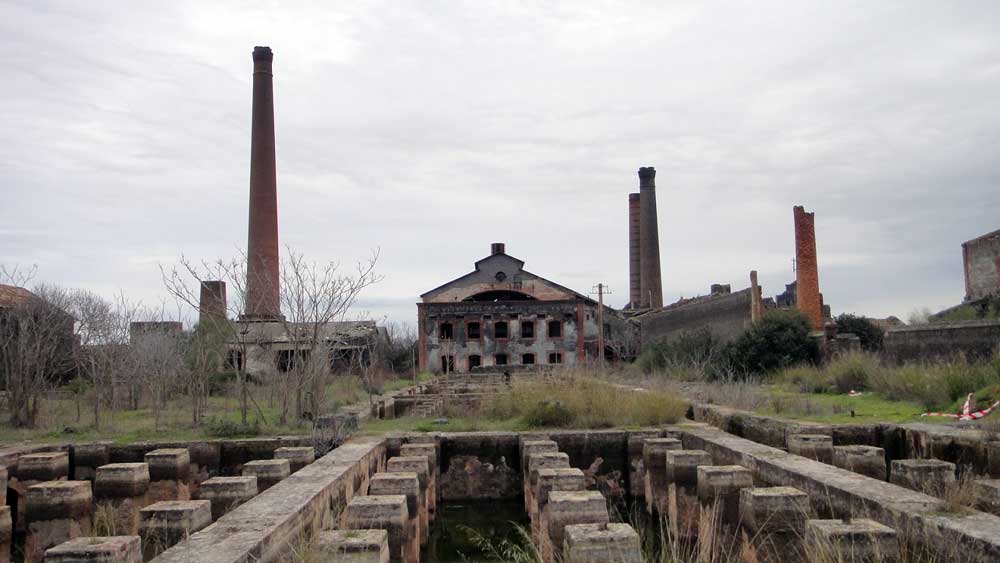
(55,512)
(548,480)
(420,466)
(776,515)
(866,460)
(88,457)
(536,462)
(354,546)
(120,492)
(683,509)
(634,257)
(298,457)
(430,451)
(267,471)
(636,465)
(654,452)
(527,448)
(720,486)
(408,485)
(6,534)
(807,297)
(601,543)
(813,446)
(166,523)
(386,512)
(931,476)
(987,495)
(226,493)
(649,241)
(262,299)
(858,541)
(566,508)
(756,298)
(42,467)
(108,549)
(169,474)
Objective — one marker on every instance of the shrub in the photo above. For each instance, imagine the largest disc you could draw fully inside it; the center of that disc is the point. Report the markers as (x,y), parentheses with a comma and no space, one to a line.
(780,339)
(549,413)
(851,371)
(225,428)
(699,349)
(868,332)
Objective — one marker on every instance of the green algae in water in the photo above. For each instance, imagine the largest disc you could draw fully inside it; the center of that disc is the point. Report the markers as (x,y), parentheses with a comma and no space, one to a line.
(453,537)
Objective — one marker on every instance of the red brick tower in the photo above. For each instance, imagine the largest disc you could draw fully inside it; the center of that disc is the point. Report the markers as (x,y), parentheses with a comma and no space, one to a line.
(212,302)
(806,269)
(650,283)
(262,294)
(634,261)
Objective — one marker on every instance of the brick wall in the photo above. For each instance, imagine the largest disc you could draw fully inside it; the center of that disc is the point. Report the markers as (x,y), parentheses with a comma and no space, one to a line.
(725,315)
(936,341)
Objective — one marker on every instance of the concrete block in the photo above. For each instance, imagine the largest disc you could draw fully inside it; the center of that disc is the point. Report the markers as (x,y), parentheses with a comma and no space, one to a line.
(45,466)
(298,457)
(267,471)
(88,457)
(812,446)
(988,495)
(566,508)
(859,540)
(681,467)
(354,546)
(774,510)
(430,451)
(389,513)
(601,543)
(866,460)
(636,466)
(931,476)
(111,549)
(421,466)
(56,512)
(169,474)
(528,448)
(164,524)
(548,480)
(6,534)
(719,486)
(226,493)
(654,452)
(680,502)
(408,485)
(120,492)
(536,462)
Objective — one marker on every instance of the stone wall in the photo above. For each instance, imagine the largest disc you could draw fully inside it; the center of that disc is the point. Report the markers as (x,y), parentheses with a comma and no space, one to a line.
(935,341)
(981,258)
(725,315)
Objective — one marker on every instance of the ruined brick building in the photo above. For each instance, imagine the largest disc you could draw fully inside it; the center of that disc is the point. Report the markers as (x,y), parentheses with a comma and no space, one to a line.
(981,261)
(500,315)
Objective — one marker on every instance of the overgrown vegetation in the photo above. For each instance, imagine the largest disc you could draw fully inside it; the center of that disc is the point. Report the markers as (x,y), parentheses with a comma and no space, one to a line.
(870,334)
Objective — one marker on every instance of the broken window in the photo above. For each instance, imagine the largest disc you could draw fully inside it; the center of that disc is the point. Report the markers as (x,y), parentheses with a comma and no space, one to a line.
(473,331)
(445,331)
(555,357)
(528,359)
(447,364)
(234,360)
(475,361)
(500,329)
(527,329)
(555,329)
(500,359)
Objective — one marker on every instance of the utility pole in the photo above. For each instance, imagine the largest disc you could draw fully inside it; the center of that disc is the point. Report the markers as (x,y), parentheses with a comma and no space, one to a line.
(600,289)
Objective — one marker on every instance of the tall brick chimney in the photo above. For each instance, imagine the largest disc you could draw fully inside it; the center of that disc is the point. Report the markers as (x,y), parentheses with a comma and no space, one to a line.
(634,261)
(497,248)
(212,302)
(262,293)
(650,284)
(806,269)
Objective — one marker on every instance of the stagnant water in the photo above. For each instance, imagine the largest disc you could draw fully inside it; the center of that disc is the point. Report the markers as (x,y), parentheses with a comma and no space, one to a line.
(461,528)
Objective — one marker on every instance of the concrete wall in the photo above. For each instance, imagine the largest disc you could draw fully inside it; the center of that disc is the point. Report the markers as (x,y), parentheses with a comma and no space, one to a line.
(935,341)
(725,315)
(982,269)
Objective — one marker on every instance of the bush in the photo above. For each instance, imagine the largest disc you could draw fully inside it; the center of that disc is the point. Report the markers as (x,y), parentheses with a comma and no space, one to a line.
(780,339)
(225,428)
(549,413)
(868,332)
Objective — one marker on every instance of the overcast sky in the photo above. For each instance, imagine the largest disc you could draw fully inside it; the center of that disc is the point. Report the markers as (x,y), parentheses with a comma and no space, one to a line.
(430,129)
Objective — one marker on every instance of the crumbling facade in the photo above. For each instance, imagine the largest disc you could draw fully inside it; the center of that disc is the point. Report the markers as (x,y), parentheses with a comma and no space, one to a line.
(981,261)
(501,315)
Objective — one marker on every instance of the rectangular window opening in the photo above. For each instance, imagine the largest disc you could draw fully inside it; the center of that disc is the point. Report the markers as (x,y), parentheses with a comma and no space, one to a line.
(446,331)
(528,359)
(500,359)
(555,358)
(500,329)
(473,331)
(555,329)
(527,329)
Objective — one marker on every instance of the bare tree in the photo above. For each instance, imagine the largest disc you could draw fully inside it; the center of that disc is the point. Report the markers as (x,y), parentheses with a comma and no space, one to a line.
(36,342)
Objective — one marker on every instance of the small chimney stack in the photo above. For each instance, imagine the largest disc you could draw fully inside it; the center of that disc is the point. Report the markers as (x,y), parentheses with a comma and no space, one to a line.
(651,285)
(807,297)
(262,292)
(212,302)
(498,248)
(634,260)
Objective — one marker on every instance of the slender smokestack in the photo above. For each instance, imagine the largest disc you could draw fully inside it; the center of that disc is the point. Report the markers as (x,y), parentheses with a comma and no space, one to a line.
(212,302)
(807,297)
(262,294)
(634,261)
(649,241)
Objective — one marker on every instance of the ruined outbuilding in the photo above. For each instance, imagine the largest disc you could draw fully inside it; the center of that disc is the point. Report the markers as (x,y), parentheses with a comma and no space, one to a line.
(501,315)
(981,260)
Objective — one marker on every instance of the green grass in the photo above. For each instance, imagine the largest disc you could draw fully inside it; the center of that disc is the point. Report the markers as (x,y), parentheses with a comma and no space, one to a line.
(831,408)
(456,424)
(404,382)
